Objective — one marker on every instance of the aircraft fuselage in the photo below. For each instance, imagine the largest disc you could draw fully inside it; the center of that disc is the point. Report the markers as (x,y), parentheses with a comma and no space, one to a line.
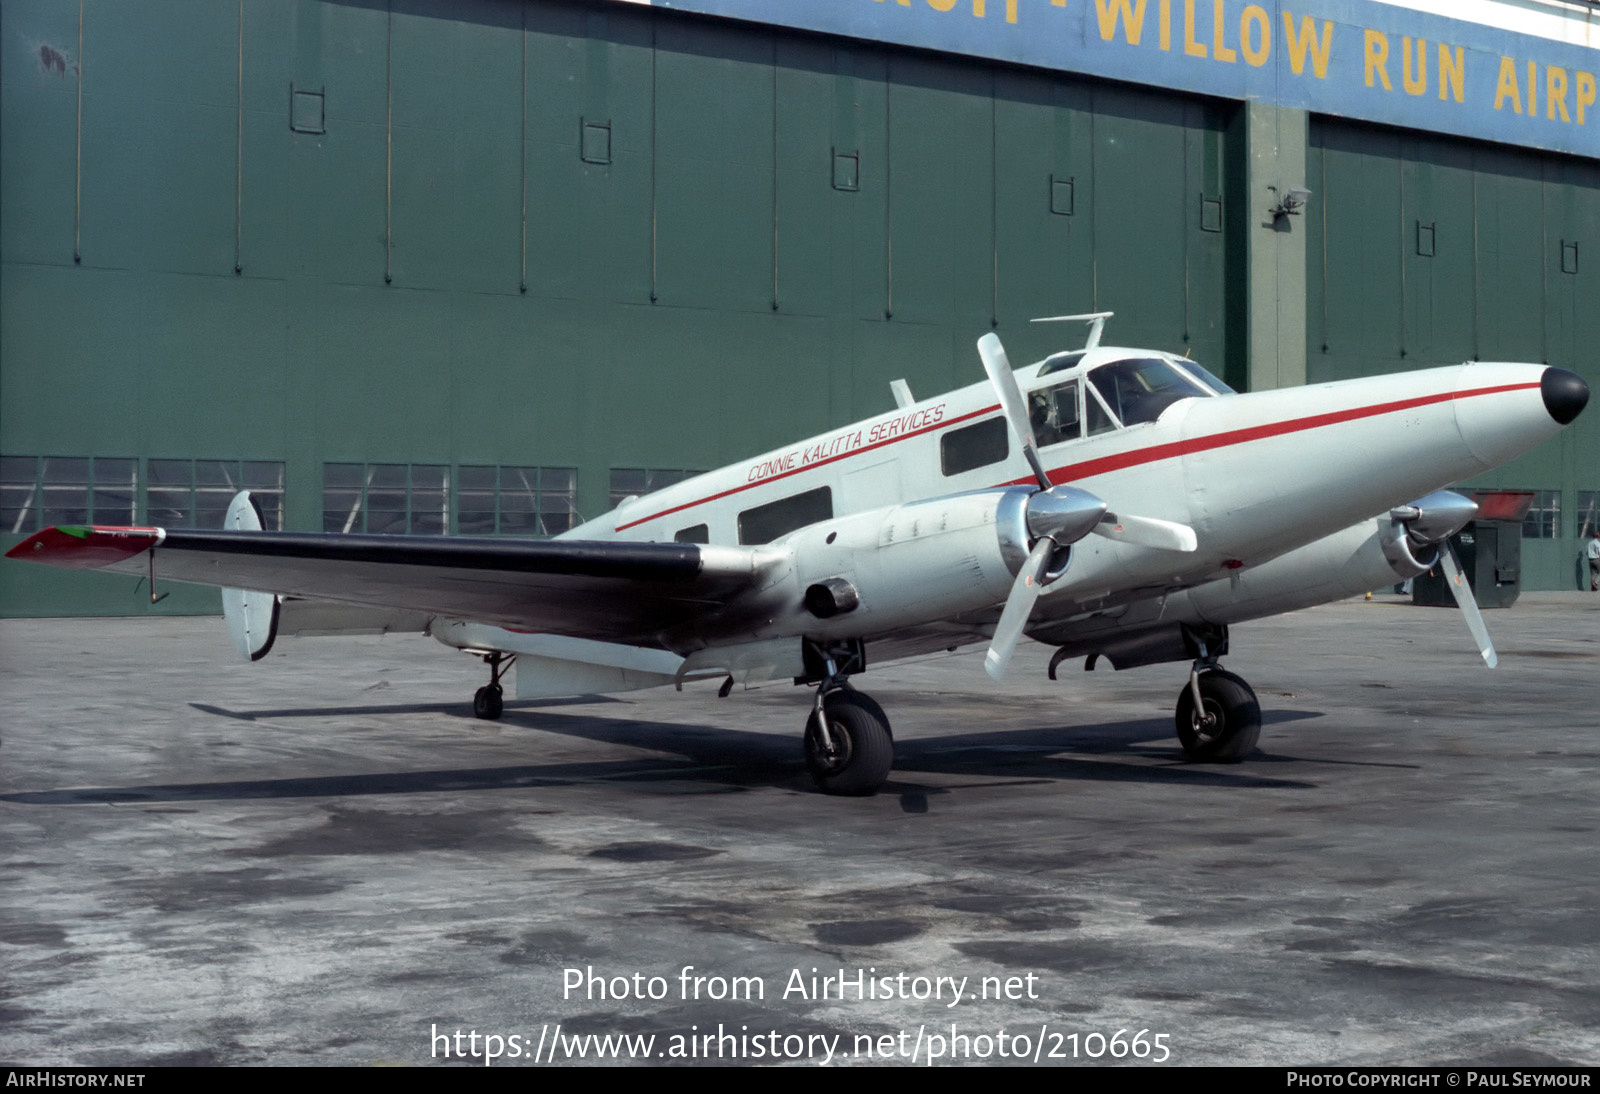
(1256,475)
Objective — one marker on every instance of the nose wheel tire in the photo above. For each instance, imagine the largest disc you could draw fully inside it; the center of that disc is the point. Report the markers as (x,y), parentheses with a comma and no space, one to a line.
(488,702)
(1227,728)
(866,702)
(855,756)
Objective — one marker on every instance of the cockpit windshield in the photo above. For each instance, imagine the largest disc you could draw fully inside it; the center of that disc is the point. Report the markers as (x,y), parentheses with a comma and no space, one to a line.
(1199,372)
(1140,388)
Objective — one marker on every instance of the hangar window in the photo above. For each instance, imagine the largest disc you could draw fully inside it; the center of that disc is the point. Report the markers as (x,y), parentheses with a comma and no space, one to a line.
(196,493)
(1543,519)
(1588,515)
(974,446)
(628,482)
(386,498)
(431,500)
(765,523)
(515,501)
(38,491)
(19,494)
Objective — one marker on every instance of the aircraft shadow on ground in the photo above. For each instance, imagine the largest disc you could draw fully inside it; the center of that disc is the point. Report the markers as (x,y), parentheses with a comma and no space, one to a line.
(718,758)
(458,708)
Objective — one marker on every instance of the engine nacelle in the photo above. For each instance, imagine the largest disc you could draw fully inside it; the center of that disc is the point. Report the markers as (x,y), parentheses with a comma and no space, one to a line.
(1361,558)
(1407,556)
(923,561)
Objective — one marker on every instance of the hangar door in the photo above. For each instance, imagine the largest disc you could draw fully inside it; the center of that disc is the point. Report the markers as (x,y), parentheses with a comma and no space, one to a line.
(883,205)
(1424,250)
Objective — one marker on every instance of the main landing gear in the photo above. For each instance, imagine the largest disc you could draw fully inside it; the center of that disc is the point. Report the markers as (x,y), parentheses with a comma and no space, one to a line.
(1219,719)
(490,699)
(849,747)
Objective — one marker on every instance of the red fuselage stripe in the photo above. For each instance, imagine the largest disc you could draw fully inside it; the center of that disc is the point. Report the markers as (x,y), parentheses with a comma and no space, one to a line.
(1090,468)
(1135,457)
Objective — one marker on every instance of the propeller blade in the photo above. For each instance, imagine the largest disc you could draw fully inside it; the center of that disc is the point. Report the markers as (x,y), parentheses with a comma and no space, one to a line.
(1019,605)
(1012,401)
(1147,532)
(1464,598)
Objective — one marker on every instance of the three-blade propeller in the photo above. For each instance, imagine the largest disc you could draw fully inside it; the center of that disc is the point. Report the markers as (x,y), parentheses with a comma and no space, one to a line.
(1467,602)
(1057,516)
(1432,521)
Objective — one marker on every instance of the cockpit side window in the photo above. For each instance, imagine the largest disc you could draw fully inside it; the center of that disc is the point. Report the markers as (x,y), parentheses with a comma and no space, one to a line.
(1138,390)
(1053,412)
(1099,420)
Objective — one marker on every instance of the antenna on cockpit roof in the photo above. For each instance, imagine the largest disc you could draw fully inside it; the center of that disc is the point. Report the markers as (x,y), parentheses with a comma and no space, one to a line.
(1095,319)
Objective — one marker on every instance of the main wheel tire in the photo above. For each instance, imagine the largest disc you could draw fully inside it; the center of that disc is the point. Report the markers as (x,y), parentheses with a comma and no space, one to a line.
(488,702)
(864,750)
(1237,726)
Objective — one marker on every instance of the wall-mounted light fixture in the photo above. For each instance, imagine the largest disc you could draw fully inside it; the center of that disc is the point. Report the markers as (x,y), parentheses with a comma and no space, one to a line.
(1294,199)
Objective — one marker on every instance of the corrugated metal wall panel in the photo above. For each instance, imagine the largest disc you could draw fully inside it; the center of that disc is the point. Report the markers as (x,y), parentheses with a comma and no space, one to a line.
(787,294)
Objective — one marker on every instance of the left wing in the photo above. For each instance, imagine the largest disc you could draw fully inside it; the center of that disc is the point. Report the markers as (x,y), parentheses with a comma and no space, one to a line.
(610,591)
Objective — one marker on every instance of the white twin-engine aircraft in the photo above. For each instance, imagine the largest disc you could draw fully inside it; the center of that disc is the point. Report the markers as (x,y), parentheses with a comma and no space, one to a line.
(1114,503)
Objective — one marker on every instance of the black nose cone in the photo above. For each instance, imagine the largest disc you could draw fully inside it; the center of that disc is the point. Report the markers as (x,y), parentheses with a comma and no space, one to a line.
(1565,394)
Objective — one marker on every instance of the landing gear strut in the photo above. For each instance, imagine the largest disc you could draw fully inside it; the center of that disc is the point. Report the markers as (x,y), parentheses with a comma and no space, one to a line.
(490,699)
(1219,719)
(849,747)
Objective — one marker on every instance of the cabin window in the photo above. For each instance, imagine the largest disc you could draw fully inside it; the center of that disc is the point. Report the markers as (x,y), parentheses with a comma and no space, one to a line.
(697,534)
(765,523)
(974,446)
(1053,412)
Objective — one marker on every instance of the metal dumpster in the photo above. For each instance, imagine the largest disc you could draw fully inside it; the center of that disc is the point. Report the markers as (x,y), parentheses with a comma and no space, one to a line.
(1490,549)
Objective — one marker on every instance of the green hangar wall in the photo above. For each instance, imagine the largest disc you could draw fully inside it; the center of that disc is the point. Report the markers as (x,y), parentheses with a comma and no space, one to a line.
(1427,250)
(428,266)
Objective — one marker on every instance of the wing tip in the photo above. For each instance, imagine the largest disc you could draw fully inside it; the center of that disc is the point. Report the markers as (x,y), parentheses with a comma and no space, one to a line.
(85,547)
